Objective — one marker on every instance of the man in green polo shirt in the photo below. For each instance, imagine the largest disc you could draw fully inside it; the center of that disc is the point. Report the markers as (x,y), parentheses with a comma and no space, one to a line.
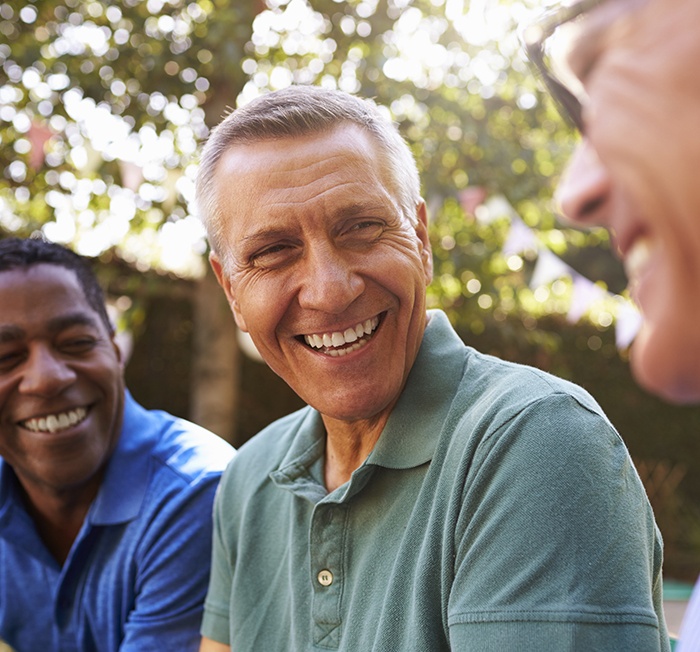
(429,497)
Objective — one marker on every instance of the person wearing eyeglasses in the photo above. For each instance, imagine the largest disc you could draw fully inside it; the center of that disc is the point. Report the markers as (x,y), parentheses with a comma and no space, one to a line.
(630,82)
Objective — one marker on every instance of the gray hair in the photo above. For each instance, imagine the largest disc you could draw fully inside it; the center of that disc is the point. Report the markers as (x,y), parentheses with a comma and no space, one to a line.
(298,111)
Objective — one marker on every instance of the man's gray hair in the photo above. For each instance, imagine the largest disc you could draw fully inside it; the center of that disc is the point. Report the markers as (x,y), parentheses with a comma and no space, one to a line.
(298,111)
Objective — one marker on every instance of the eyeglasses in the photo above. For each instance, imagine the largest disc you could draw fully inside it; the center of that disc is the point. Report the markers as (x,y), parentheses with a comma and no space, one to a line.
(534,39)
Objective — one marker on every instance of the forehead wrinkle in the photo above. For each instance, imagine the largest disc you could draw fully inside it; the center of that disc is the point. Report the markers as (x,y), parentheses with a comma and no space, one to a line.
(597,30)
(276,193)
(316,170)
(317,194)
(237,162)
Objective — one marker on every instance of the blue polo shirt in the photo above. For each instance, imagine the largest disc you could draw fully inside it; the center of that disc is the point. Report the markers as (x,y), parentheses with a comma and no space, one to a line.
(136,576)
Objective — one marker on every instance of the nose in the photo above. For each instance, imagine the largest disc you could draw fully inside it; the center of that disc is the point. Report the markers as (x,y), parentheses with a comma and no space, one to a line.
(330,282)
(584,191)
(45,374)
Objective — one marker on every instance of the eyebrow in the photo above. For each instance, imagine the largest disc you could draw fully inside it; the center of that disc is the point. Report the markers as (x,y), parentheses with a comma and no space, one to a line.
(357,208)
(11,333)
(345,212)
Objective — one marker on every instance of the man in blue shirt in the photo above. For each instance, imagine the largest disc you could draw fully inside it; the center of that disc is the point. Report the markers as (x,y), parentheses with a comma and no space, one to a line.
(105,507)
(633,90)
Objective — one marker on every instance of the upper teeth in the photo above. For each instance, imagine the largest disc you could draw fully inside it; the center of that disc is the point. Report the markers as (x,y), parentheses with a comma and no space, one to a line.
(56,422)
(638,257)
(332,341)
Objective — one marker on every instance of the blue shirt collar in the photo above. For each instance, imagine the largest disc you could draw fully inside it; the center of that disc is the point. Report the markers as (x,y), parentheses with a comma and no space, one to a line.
(128,472)
(123,489)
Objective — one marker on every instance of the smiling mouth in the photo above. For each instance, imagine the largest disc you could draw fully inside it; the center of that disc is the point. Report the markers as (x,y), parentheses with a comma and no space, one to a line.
(340,343)
(637,258)
(53,423)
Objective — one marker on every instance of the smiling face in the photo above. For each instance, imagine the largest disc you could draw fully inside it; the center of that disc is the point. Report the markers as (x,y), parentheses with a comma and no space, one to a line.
(636,173)
(61,388)
(322,269)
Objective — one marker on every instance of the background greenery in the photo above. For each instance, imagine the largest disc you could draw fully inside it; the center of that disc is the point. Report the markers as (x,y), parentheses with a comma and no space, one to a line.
(103,104)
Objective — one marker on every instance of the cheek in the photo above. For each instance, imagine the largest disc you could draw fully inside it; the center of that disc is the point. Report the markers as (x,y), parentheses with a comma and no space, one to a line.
(636,120)
(260,306)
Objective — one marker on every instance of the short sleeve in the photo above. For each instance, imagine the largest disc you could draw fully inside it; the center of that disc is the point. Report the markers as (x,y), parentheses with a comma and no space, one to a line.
(172,573)
(215,624)
(556,545)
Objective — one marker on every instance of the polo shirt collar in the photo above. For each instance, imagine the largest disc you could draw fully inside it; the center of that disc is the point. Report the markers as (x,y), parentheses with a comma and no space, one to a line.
(129,470)
(412,431)
(299,470)
(15,524)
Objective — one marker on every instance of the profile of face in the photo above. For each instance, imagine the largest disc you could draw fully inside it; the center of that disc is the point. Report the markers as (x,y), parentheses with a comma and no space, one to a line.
(61,387)
(635,172)
(322,269)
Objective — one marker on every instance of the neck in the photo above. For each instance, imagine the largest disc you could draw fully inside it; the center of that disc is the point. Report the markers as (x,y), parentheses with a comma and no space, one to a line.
(59,515)
(347,446)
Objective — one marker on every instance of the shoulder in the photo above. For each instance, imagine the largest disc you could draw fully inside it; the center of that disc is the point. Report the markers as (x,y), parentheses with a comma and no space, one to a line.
(514,414)
(179,447)
(516,388)
(191,450)
(483,385)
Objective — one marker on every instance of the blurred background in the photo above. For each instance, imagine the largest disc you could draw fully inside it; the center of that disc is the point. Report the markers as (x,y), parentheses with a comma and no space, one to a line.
(104,104)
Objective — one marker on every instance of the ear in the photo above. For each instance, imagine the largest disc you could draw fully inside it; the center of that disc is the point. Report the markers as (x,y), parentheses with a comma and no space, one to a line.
(426,251)
(121,355)
(225,282)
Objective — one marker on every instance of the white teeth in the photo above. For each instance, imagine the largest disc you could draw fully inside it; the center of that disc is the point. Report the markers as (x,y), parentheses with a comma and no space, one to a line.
(638,257)
(55,422)
(332,341)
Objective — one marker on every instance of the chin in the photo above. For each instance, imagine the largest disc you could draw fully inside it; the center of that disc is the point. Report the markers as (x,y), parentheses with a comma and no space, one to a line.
(670,373)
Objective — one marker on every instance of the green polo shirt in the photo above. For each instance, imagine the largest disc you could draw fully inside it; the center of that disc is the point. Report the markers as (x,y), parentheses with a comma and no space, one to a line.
(499,511)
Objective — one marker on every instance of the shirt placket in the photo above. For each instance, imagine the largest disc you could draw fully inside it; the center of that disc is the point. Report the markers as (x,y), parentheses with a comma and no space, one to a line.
(327,559)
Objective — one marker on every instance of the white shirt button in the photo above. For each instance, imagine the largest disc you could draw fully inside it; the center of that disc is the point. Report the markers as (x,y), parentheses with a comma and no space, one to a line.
(325,578)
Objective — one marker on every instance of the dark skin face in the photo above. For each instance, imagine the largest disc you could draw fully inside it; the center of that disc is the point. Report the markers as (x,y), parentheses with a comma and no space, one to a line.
(61,391)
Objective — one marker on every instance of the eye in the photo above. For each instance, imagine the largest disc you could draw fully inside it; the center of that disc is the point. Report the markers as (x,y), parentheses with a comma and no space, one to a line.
(365,229)
(273,256)
(78,345)
(9,359)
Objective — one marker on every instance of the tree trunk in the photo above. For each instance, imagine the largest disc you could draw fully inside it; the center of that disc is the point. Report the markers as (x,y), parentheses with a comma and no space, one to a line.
(215,364)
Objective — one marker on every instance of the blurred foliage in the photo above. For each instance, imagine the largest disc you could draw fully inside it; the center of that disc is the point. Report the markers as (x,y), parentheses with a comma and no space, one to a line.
(104,103)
